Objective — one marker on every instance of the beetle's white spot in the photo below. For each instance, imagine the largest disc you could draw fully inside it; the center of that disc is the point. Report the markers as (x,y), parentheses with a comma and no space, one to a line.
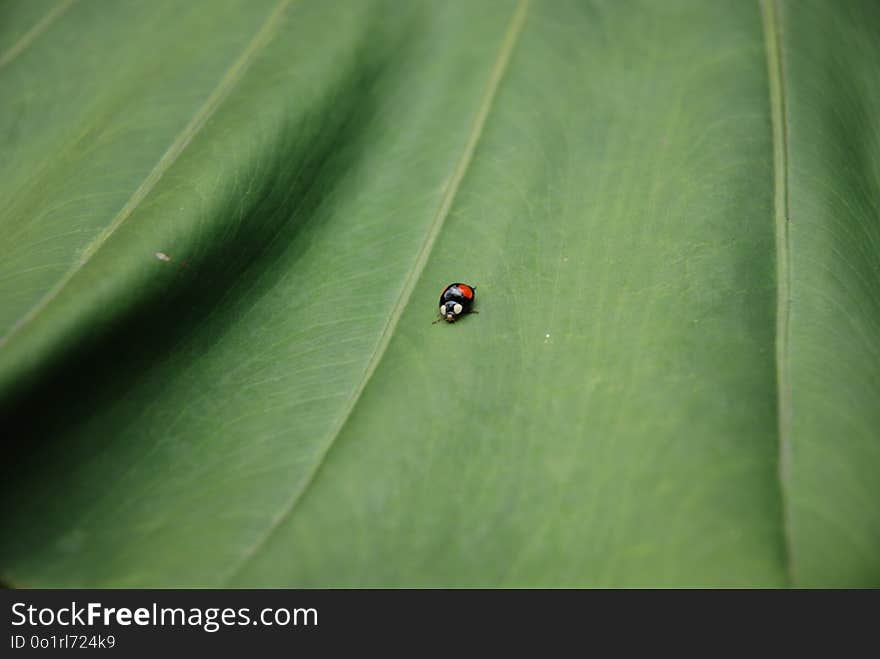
(443,309)
(457,308)
(162,256)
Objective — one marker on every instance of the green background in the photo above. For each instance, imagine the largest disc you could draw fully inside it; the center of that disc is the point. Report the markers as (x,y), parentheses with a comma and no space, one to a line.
(226,225)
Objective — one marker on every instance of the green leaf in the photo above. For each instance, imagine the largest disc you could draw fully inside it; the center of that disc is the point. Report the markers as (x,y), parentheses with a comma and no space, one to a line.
(226,226)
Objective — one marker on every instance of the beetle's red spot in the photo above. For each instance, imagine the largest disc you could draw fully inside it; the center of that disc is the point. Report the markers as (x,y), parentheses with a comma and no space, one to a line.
(467,291)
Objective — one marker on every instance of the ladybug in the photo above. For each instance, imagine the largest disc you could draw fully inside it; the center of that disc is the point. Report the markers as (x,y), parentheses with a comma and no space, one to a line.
(456,300)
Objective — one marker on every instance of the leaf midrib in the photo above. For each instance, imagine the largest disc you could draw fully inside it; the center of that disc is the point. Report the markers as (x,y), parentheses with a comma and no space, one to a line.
(776,76)
(496,73)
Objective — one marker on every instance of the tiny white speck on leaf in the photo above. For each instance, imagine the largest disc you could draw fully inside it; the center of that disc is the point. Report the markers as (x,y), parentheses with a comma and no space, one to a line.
(546,336)
(162,256)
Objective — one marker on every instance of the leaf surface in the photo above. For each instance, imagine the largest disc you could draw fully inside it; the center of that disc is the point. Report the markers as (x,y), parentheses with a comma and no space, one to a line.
(224,254)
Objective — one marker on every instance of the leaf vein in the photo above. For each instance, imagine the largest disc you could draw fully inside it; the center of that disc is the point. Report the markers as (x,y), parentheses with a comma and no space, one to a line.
(496,74)
(36,31)
(171,155)
(775,69)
